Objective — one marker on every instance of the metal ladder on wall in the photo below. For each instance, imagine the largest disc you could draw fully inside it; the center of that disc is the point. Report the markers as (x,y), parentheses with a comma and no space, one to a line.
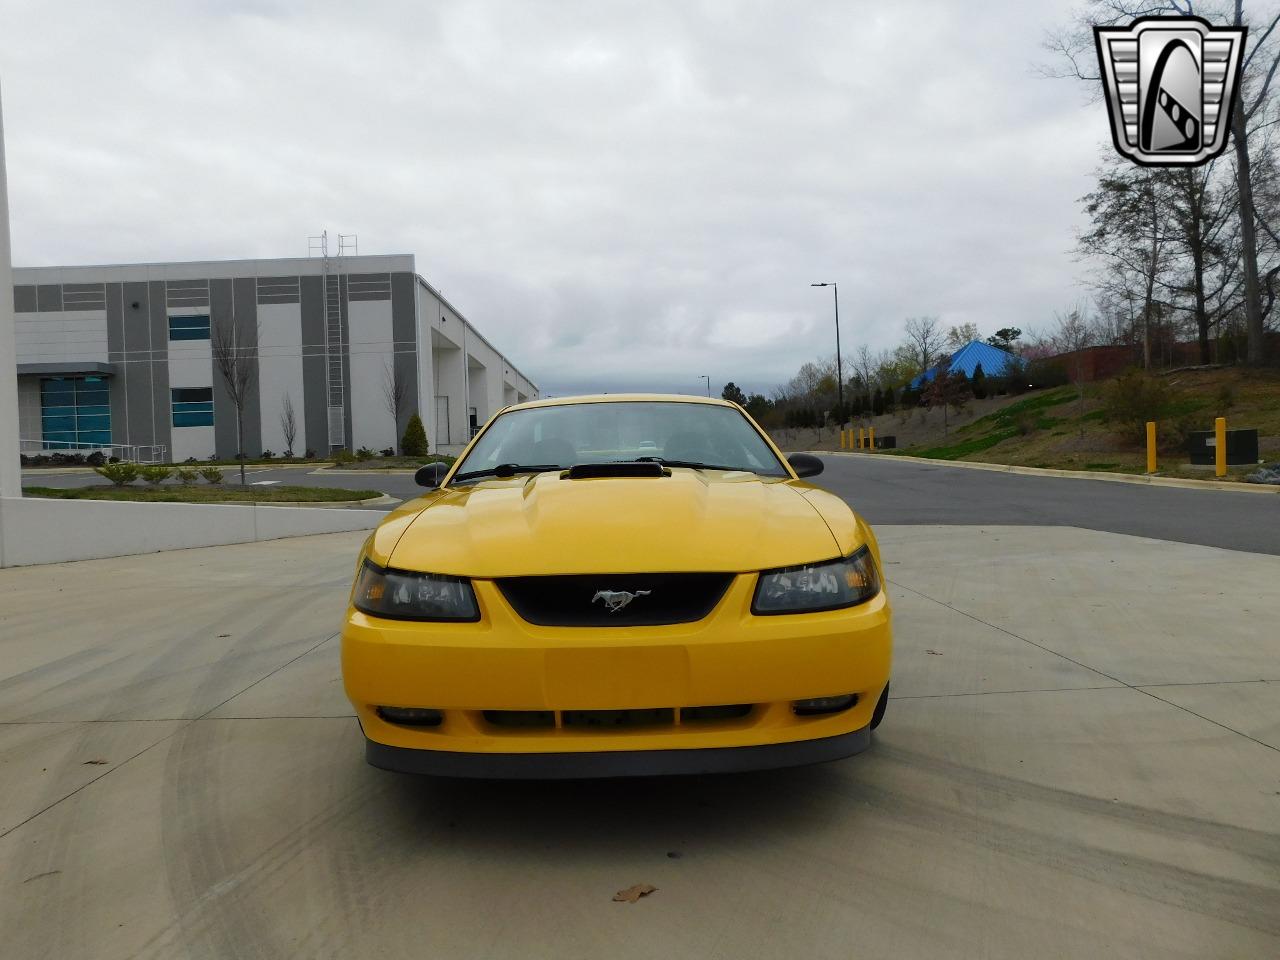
(335,382)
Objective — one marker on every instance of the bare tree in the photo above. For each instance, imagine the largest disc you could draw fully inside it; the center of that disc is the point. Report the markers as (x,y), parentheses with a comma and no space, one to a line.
(234,356)
(965,333)
(395,391)
(924,340)
(946,389)
(1073,334)
(1253,116)
(288,424)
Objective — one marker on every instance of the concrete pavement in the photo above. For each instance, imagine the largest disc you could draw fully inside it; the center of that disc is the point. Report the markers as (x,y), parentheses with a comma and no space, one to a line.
(1082,759)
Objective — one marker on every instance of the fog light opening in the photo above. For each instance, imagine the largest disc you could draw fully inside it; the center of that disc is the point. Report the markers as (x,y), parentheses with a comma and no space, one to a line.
(411,716)
(820,705)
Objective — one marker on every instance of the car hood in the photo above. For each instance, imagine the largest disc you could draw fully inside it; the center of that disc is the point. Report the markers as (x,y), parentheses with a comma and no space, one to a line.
(542,524)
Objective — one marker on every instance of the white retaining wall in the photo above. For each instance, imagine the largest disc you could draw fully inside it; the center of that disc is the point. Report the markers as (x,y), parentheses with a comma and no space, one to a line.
(53,531)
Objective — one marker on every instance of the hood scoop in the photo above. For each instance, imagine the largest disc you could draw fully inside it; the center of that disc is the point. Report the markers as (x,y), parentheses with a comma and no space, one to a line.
(589,471)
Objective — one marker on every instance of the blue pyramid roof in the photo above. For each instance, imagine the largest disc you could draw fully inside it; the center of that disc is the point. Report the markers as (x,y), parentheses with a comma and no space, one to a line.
(995,362)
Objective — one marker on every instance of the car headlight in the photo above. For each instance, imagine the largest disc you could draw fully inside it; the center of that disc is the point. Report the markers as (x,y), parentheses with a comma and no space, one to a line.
(818,586)
(404,595)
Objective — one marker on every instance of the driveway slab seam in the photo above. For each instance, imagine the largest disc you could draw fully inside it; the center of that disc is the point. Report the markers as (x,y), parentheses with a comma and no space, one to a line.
(170,735)
(1136,686)
(1100,673)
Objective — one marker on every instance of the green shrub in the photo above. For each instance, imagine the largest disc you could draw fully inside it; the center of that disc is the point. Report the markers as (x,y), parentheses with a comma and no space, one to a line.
(1226,398)
(1131,400)
(155,475)
(414,441)
(364,453)
(212,474)
(118,473)
(343,456)
(186,476)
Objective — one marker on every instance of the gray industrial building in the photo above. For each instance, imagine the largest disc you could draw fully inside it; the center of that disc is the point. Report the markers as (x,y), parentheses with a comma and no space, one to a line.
(123,357)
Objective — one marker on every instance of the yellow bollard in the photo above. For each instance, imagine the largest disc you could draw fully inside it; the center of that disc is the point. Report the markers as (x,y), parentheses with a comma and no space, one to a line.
(859,438)
(871,438)
(1151,446)
(1220,447)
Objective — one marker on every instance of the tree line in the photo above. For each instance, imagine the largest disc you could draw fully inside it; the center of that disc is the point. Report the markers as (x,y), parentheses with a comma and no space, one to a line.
(1192,253)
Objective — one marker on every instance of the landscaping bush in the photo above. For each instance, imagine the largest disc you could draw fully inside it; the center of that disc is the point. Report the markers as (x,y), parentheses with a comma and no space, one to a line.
(95,459)
(364,453)
(1226,398)
(1131,400)
(186,476)
(389,452)
(155,475)
(267,454)
(118,473)
(212,474)
(310,454)
(414,441)
(343,456)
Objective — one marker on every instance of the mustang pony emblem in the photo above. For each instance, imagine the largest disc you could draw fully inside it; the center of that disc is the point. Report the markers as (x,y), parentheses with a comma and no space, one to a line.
(615,600)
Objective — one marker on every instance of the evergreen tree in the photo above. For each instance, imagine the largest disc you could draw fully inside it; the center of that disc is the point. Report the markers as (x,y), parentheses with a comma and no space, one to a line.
(979,383)
(414,441)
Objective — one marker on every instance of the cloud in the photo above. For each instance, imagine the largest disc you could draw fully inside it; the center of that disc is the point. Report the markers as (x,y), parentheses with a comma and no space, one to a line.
(621,196)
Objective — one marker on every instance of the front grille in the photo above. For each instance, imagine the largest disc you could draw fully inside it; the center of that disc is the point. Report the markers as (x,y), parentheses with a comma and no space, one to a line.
(617,719)
(615,600)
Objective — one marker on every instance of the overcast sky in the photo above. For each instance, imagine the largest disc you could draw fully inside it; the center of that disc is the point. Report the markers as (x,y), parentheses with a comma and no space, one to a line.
(619,195)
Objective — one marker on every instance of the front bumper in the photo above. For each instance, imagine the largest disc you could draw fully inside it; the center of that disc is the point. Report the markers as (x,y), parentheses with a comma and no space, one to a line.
(615,763)
(503,663)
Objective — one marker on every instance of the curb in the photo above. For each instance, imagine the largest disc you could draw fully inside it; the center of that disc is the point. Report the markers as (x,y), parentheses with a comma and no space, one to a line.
(1158,481)
(386,498)
(336,472)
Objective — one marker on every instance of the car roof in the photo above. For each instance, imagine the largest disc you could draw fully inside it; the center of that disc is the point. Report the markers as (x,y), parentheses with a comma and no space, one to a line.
(622,398)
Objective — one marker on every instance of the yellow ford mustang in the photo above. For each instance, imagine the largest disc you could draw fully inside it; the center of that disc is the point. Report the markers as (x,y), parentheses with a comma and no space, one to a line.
(614,586)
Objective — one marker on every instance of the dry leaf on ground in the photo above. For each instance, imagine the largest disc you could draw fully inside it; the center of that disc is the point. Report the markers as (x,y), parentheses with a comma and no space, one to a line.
(632,894)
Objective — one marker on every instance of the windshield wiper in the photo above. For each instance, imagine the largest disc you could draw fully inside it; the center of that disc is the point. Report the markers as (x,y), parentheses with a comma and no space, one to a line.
(504,470)
(694,464)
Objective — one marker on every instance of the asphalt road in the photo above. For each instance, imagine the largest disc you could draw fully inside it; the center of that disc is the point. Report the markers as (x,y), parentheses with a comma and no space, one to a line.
(890,490)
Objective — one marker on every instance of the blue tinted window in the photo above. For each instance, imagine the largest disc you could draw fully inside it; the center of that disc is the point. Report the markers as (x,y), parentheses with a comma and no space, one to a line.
(189,328)
(192,406)
(75,412)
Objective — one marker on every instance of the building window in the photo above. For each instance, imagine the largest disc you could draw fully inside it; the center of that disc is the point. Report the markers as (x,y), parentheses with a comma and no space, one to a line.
(192,406)
(75,412)
(189,328)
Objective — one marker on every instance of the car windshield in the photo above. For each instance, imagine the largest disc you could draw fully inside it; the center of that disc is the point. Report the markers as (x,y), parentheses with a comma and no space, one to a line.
(677,433)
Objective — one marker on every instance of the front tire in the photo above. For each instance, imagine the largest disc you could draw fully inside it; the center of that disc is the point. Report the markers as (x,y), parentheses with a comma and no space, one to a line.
(881,706)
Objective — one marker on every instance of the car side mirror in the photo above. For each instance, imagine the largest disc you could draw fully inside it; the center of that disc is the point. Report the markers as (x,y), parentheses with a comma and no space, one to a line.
(805,464)
(431,475)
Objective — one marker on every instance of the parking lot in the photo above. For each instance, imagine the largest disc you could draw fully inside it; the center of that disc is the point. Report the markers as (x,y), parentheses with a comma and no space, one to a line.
(1081,758)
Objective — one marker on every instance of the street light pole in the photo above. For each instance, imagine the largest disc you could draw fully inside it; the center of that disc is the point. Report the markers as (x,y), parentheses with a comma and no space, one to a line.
(835,288)
(708,379)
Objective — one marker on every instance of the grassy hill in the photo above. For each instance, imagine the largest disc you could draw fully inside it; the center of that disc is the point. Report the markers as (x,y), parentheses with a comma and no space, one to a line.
(1048,429)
